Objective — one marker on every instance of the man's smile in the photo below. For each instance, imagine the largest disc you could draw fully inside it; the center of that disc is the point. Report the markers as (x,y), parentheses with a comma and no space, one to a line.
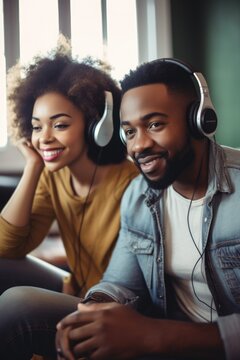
(151,163)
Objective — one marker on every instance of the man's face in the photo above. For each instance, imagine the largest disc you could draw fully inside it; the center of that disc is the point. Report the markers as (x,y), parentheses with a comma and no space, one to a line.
(158,140)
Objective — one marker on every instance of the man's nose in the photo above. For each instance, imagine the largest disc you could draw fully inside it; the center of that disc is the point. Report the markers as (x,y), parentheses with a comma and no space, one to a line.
(142,141)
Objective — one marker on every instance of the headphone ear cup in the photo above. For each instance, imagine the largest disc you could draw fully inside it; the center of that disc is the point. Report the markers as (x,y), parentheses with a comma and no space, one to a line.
(208,121)
(90,132)
(192,120)
(122,136)
(100,132)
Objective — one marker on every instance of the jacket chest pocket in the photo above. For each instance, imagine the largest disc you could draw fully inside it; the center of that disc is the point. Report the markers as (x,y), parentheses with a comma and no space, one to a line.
(229,261)
(142,246)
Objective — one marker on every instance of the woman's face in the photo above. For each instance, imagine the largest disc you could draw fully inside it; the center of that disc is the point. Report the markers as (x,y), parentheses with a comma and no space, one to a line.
(58,131)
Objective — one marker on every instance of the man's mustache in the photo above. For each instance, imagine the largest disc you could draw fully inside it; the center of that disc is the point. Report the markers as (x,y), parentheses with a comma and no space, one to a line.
(143,154)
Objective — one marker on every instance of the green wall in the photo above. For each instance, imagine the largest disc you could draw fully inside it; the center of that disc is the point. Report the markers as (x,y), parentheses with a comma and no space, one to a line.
(206,33)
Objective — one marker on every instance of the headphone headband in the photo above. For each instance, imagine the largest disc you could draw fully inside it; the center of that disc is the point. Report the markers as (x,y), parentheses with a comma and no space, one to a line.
(202,116)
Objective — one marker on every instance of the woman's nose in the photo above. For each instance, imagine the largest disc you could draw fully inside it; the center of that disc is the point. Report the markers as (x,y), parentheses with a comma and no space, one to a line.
(46,136)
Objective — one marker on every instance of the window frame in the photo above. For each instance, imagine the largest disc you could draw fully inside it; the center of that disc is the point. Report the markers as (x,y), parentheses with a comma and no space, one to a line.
(154,41)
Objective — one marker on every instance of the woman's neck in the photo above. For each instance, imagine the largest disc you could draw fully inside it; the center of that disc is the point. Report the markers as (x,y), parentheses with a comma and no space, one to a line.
(86,177)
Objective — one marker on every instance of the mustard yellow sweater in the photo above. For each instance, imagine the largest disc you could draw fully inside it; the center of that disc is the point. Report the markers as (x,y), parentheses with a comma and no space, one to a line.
(88,236)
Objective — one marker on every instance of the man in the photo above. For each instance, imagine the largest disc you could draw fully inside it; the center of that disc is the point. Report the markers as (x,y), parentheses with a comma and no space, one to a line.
(172,288)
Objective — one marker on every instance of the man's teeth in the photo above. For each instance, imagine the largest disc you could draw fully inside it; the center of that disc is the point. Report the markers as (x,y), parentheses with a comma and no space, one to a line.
(149,162)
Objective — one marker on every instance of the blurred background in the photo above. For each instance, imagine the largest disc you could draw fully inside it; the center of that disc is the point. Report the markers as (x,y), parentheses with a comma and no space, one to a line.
(205,33)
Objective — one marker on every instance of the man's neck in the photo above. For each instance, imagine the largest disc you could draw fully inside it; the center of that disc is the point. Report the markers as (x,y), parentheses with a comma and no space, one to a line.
(192,184)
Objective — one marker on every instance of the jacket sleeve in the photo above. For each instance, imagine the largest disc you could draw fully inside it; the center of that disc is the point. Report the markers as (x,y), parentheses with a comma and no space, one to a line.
(229,327)
(123,280)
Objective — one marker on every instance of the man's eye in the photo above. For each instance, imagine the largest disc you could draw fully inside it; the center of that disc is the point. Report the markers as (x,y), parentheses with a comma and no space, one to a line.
(155,125)
(129,132)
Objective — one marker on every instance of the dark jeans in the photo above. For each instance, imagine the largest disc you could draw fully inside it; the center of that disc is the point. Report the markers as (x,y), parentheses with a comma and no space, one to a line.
(31,305)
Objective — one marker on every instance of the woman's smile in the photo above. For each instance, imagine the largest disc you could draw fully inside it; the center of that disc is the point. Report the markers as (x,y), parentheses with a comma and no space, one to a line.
(51,154)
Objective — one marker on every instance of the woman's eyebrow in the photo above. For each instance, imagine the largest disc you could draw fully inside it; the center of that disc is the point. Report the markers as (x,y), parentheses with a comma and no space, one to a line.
(59,115)
(53,117)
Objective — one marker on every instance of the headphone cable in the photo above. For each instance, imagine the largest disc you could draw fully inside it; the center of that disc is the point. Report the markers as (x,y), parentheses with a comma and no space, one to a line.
(194,242)
(78,247)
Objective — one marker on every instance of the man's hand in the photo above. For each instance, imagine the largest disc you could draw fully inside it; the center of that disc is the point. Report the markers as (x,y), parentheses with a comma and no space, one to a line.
(113,331)
(101,331)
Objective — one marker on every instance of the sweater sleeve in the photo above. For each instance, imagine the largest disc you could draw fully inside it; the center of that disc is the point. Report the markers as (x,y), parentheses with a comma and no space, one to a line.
(15,241)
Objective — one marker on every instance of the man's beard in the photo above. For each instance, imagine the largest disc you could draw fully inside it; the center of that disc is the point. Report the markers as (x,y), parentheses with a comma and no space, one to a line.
(174,168)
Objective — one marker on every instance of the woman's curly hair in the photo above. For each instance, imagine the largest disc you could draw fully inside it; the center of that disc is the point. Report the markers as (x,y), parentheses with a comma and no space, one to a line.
(82,82)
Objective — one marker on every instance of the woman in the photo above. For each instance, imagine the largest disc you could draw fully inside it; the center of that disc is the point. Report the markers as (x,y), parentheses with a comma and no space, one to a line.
(76,172)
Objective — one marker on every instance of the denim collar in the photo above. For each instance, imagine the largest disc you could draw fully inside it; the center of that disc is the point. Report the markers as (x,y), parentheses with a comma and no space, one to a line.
(218,178)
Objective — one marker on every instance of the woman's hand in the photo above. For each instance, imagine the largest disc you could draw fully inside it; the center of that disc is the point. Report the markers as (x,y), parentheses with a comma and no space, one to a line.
(18,209)
(30,154)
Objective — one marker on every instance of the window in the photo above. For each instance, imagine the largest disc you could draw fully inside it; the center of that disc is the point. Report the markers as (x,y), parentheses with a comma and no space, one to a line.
(3,117)
(112,38)
(123,33)
(86,28)
(38,32)
(122,45)
(38,28)
(92,34)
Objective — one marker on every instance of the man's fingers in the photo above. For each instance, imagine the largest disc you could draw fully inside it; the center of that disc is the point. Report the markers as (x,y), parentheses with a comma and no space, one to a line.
(78,318)
(63,345)
(70,320)
(84,348)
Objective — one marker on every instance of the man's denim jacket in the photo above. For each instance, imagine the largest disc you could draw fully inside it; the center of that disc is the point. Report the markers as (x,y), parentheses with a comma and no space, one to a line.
(136,269)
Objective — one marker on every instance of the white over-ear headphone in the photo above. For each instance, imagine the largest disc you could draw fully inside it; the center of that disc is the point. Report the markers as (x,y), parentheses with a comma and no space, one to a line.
(122,135)
(103,129)
(201,117)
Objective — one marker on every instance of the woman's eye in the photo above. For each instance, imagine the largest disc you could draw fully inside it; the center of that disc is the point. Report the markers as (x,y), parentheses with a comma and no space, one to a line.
(60,126)
(36,128)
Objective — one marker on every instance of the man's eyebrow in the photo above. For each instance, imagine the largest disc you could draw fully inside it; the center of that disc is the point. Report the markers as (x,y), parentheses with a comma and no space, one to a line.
(53,117)
(146,117)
